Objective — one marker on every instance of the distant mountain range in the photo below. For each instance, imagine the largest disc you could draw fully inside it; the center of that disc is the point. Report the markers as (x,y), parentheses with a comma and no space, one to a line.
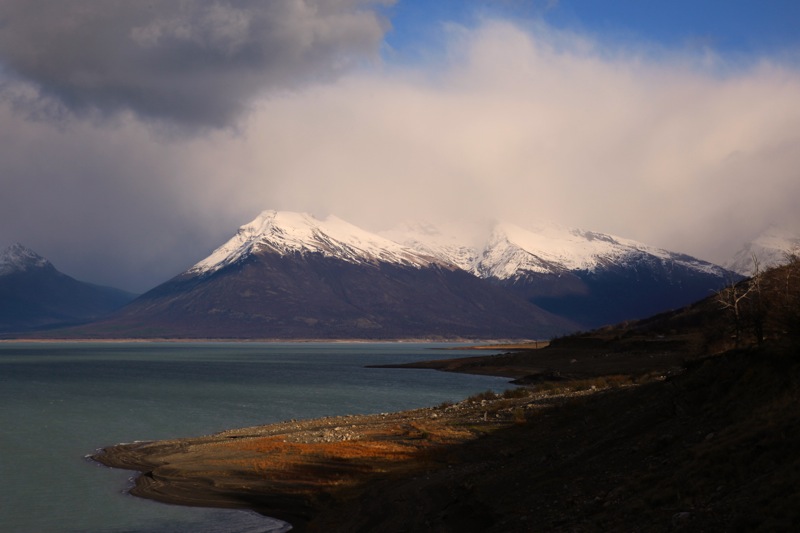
(34,295)
(290,275)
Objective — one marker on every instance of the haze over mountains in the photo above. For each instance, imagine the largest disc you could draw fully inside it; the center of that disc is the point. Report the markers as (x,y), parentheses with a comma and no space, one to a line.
(770,248)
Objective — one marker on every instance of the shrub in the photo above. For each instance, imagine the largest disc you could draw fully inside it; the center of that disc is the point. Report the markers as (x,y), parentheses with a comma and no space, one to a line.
(486,395)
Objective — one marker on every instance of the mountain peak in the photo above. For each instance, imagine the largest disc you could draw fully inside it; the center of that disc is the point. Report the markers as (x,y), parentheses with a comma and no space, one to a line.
(287,232)
(770,248)
(551,248)
(18,258)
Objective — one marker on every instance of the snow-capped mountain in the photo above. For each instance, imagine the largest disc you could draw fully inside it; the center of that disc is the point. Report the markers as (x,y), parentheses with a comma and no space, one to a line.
(770,249)
(34,295)
(514,252)
(285,233)
(290,275)
(17,258)
(592,278)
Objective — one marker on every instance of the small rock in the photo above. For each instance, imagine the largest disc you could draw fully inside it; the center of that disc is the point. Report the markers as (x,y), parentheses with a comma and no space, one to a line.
(681,518)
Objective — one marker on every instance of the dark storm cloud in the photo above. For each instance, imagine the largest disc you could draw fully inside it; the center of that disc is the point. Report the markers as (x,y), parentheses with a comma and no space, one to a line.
(191,62)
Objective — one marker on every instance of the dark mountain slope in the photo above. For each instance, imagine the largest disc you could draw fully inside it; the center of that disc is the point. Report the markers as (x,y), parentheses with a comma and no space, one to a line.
(310,295)
(615,293)
(589,277)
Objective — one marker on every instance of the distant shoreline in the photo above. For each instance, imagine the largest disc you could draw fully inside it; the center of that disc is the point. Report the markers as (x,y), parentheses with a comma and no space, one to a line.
(471,344)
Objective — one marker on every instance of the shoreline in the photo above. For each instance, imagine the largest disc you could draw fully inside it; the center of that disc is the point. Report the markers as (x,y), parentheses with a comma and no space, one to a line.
(470,344)
(294,470)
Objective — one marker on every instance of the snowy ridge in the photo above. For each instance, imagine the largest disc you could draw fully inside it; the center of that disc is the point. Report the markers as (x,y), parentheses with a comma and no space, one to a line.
(770,249)
(549,248)
(512,251)
(285,233)
(17,258)
(430,240)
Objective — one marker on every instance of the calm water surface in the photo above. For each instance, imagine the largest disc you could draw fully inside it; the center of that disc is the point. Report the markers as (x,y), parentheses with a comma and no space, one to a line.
(62,401)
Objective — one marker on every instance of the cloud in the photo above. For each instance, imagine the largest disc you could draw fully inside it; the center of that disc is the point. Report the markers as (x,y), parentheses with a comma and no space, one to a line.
(669,149)
(521,124)
(192,63)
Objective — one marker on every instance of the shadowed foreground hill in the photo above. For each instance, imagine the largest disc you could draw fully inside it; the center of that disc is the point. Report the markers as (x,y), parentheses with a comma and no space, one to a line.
(714,449)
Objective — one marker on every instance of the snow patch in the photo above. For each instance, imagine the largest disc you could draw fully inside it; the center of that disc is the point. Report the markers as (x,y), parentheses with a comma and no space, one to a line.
(285,232)
(430,240)
(546,248)
(510,252)
(17,258)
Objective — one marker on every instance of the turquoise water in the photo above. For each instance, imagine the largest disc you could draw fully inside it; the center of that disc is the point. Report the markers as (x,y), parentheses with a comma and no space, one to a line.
(61,401)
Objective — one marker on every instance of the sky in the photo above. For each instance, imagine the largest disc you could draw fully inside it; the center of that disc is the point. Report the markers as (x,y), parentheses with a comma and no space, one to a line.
(136,137)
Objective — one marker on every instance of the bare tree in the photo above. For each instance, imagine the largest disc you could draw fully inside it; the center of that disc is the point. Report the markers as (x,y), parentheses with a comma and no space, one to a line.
(734,296)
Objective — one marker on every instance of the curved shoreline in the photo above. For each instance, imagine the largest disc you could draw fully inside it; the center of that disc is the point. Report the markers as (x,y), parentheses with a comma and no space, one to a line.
(294,469)
(300,471)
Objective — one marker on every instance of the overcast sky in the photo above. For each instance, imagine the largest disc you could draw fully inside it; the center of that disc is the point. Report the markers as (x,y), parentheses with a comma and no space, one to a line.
(135,137)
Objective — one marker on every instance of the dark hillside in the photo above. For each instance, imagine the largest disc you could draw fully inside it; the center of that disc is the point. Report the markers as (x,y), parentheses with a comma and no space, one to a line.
(311,296)
(615,293)
(714,449)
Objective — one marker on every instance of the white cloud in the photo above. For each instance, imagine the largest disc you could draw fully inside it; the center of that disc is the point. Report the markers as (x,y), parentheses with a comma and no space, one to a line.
(525,126)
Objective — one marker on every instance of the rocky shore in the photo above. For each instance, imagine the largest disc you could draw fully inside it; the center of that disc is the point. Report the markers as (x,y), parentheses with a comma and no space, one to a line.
(296,469)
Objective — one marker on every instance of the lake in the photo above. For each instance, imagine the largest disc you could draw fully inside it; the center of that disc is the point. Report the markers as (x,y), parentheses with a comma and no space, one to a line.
(60,402)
